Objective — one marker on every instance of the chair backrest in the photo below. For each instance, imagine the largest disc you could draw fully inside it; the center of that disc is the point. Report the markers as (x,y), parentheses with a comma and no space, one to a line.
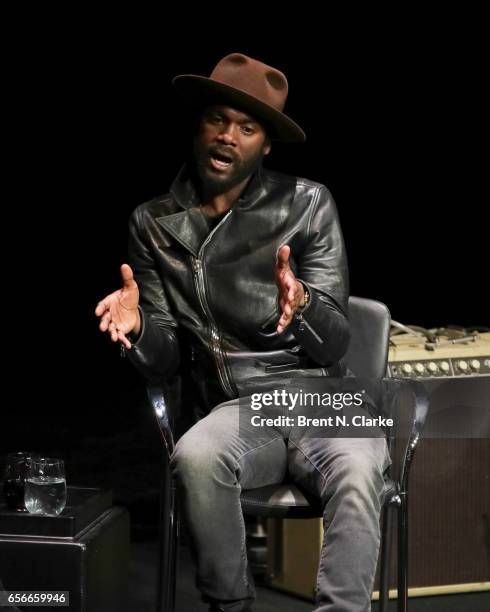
(367,354)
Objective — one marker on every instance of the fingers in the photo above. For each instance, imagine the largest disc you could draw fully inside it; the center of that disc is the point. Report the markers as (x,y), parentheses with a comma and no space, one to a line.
(283,257)
(113,331)
(118,336)
(286,307)
(283,323)
(286,316)
(106,303)
(100,308)
(104,310)
(123,340)
(128,283)
(127,276)
(104,321)
(291,296)
(107,309)
(287,281)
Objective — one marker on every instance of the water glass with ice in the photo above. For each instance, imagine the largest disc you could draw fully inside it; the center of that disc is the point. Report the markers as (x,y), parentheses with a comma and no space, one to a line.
(45,487)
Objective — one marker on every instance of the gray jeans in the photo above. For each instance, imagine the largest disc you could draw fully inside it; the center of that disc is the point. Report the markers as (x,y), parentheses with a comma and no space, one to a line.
(223,453)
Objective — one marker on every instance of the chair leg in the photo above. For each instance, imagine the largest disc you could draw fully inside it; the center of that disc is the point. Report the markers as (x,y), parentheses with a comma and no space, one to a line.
(402,605)
(168,544)
(384,570)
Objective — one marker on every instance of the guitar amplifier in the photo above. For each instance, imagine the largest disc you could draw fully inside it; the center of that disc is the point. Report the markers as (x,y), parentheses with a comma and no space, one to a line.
(414,357)
(449,513)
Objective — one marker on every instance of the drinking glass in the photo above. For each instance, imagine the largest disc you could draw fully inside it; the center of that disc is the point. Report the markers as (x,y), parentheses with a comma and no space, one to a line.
(45,488)
(15,474)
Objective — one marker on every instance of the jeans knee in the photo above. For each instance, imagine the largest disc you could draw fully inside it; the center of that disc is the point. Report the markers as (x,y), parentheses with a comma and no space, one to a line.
(196,461)
(189,458)
(358,480)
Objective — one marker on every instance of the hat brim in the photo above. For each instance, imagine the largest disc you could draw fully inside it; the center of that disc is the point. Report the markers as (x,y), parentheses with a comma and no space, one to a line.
(198,91)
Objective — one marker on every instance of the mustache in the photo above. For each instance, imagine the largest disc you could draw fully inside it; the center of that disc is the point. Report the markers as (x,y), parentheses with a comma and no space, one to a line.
(224,152)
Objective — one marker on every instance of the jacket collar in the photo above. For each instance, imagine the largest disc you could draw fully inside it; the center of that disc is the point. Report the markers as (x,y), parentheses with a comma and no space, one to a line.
(188,226)
(184,191)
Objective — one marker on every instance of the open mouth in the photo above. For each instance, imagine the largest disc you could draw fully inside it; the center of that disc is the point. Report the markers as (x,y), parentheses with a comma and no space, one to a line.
(220,161)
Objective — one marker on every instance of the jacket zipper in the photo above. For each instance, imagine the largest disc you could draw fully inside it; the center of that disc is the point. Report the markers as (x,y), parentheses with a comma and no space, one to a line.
(304,323)
(215,338)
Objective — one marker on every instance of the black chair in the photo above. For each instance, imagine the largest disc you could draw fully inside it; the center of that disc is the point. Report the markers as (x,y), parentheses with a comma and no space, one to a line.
(367,359)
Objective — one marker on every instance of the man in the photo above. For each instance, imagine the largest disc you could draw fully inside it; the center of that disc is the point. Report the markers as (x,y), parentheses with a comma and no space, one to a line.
(241,273)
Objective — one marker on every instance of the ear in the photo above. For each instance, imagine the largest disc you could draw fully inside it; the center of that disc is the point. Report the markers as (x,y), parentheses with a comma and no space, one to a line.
(267,146)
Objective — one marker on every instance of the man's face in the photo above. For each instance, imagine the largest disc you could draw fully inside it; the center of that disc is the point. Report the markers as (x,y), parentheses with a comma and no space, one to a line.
(228,147)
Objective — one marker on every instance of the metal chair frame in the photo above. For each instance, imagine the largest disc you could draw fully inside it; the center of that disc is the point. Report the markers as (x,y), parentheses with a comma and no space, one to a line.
(397,499)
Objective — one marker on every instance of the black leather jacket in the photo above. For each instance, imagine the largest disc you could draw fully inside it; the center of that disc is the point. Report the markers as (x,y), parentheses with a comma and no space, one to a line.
(209,300)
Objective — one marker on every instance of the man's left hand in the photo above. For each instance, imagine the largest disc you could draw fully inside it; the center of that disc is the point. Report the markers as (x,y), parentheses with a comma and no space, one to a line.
(291,291)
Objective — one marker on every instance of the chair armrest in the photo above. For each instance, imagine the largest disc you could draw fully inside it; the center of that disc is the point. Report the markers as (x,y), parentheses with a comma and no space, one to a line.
(161,409)
(417,421)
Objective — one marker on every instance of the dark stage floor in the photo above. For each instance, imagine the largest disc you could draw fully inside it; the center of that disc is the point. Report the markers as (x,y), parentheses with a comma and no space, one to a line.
(128,460)
(142,590)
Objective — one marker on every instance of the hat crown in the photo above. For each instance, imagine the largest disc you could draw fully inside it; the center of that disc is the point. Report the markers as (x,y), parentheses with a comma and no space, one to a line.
(254,78)
(246,84)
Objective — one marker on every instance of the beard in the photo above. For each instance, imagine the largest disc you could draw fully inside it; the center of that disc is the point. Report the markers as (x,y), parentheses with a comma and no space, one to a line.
(215,182)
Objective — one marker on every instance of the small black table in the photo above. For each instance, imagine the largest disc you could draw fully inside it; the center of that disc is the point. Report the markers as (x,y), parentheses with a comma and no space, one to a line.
(84,550)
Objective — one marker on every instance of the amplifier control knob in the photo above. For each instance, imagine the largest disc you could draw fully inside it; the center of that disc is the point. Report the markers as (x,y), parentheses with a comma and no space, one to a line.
(444,367)
(432,367)
(475,365)
(462,366)
(407,369)
(419,368)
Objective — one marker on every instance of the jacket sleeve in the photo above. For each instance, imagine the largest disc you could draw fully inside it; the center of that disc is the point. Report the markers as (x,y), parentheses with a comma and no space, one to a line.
(322,328)
(156,351)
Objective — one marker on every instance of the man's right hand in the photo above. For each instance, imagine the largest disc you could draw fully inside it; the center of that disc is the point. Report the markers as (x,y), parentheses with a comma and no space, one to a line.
(118,312)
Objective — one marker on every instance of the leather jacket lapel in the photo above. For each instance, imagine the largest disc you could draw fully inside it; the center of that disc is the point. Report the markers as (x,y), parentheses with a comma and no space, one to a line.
(188,227)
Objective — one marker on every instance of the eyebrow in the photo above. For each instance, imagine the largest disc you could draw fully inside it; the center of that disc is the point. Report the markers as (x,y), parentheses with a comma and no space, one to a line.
(246,119)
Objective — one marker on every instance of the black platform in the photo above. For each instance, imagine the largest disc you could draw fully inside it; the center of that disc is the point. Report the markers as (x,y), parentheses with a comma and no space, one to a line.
(85,551)
(83,506)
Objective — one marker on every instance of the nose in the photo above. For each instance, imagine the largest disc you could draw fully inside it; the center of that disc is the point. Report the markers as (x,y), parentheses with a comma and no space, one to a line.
(227,135)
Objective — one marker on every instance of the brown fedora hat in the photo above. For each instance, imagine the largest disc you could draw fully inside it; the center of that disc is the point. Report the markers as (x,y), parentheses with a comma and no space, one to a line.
(251,86)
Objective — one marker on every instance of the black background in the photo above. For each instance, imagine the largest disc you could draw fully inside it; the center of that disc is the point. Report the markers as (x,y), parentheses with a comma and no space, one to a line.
(394,118)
